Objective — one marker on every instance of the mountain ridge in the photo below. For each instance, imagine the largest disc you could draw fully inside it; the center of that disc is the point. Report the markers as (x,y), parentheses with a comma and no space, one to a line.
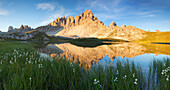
(85,25)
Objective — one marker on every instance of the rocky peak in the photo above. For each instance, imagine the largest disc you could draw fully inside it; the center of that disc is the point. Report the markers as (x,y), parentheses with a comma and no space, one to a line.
(88,14)
(22,27)
(123,25)
(26,27)
(72,19)
(77,19)
(10,28)
(113,24)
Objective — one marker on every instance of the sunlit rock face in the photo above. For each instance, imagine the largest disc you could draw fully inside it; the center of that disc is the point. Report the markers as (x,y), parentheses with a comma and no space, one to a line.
(86,57)
(87,25)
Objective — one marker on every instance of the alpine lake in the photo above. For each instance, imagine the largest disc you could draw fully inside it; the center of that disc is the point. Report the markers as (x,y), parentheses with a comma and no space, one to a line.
(107,54)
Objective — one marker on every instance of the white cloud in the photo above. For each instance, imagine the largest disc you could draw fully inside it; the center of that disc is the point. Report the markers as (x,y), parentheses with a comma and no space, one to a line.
(150,15)
(3,11)
(145,14)
(106,16)
(102,5)
(59,11)
(46,6)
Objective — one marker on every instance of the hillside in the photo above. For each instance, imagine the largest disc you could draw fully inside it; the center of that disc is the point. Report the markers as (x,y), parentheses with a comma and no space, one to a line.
(156,37)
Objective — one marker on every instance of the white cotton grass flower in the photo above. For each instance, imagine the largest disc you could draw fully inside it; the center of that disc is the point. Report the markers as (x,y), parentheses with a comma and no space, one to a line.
(124,77)
(11,62)
(162,73)
(39,65)
(73,69)
(135,83)
(133,75)
(164,64)
(116,80)
(167,79)
(95,81)
(100,86)
(117,72)
(71,64)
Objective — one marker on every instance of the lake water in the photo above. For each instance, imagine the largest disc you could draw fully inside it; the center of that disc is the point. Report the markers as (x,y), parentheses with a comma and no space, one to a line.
(88,57)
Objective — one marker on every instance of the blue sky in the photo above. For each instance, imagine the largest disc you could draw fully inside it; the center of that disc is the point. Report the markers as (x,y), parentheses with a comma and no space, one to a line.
(145,14)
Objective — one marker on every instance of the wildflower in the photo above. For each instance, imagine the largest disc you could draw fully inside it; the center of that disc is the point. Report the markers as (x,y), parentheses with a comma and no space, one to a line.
(167,79)
(29,61)
(162,73)
(115,80)
(133,75)
(11,62)
(124,77)
(73,70)
(117,72)
(135,83)
(100,85)
(136,79)
(95,81)
(39,65)
(164,64)
(30,78)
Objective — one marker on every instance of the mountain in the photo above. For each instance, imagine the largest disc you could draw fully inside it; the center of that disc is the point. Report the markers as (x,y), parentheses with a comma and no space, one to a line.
(84,26)
(22,29)
(87,25)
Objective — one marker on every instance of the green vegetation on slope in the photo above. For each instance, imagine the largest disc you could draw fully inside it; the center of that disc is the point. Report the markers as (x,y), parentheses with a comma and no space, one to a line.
(93,42)
(158,37)
(86,42)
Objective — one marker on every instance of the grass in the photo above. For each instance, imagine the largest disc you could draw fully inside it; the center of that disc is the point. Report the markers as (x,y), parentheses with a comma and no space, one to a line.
(156,37)
(156,48)
(23,68)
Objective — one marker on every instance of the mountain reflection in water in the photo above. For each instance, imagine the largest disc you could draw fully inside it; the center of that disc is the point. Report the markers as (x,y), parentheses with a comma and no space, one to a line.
(86,56)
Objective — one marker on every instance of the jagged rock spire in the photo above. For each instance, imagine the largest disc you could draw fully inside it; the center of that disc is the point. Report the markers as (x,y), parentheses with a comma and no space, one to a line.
(113,24)
(123,25)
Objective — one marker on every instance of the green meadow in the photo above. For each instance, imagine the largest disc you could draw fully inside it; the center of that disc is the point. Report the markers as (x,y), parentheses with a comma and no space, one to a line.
(22,68)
